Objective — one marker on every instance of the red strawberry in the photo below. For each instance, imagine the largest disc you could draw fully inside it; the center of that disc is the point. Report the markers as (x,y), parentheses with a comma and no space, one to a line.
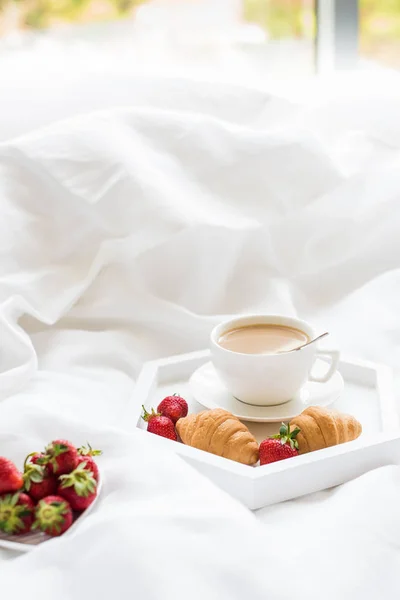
(78,487)
(53,515)
(86,454)
(36,457)
(60,457)
(37,479)
(10,478)
(159,425)
(280,446)
(16,513)
(90,465)
(174,407)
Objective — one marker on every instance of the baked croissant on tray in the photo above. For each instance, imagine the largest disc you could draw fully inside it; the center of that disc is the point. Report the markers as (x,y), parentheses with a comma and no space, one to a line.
(321,428)
(219,432)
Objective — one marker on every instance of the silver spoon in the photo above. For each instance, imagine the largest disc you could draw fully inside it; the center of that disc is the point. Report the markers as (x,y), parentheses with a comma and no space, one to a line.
(310,342)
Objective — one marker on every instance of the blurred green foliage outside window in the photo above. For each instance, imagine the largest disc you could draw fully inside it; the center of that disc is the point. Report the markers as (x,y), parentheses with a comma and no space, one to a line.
(280,19)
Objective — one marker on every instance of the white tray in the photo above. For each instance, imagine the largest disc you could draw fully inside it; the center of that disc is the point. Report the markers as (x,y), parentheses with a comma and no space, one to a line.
(368,395)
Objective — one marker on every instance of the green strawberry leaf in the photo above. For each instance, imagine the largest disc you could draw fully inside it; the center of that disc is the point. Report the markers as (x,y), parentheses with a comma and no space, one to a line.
(88,451)
(36,477)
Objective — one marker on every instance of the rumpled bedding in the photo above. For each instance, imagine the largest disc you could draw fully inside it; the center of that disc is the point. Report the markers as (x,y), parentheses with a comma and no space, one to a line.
(125,236)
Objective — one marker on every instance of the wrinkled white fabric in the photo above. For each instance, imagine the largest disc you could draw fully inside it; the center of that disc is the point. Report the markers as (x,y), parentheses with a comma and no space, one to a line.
(125,236)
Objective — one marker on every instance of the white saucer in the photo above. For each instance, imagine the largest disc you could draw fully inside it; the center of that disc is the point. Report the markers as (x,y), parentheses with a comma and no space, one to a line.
(210,392)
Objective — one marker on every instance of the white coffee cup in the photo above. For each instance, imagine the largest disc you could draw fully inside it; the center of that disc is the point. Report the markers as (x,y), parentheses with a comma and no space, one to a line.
(268,379)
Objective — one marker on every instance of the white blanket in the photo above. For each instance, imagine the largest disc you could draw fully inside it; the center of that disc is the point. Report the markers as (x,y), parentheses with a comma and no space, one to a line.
(125,236)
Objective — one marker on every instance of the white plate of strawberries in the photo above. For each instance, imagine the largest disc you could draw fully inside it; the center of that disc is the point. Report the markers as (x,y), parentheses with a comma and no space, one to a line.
(47,498)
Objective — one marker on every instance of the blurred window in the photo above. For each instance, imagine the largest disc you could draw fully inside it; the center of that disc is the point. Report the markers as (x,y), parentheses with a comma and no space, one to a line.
(274,36)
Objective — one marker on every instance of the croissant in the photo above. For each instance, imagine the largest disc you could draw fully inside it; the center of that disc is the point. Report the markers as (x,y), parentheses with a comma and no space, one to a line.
(219,432)
(321,428)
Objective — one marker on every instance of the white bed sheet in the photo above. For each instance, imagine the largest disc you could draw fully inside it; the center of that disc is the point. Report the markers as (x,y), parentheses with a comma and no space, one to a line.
(125,236)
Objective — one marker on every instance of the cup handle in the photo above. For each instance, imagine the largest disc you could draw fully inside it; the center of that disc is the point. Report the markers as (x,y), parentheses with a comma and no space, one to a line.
(334,356)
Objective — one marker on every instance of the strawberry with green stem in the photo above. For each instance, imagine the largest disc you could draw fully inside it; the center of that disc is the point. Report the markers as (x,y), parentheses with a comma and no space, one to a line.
(38,482)
(174,407)
(78,487)
(159,424)
(86,454)
(60,457)
(280,446)
(53,515)
(16,513)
